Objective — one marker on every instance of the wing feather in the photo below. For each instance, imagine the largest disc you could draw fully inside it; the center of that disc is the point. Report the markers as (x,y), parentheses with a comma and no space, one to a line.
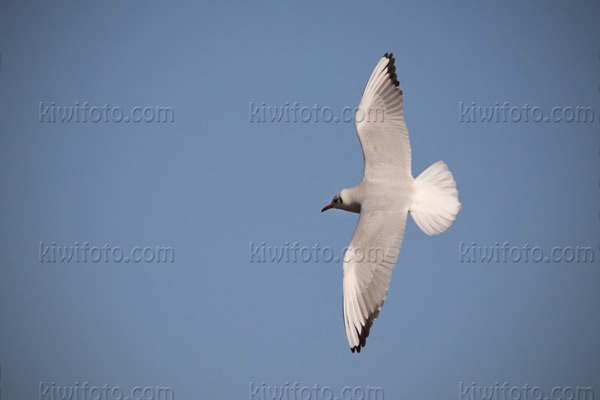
(368,264)
(380,125)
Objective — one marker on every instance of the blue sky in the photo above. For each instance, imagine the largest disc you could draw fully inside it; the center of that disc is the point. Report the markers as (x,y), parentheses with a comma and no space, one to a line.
(211,183)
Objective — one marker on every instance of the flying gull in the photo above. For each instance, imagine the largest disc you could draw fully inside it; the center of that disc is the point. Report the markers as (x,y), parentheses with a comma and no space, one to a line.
(384,197)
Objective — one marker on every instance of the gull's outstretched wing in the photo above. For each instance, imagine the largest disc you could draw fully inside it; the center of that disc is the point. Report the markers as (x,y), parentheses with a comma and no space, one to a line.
(368,264)
(380,125)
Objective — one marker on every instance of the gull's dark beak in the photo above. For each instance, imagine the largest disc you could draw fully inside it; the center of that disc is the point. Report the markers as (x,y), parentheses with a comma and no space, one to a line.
(327,207)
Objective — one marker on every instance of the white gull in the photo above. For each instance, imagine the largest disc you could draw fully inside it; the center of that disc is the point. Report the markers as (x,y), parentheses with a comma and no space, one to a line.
(384,197)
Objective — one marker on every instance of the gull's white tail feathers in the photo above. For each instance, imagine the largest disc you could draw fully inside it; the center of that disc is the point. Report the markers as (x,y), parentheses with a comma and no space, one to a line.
(435,199)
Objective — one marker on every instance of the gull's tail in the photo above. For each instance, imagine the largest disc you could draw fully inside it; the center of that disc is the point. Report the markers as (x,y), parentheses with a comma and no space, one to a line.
(435,199)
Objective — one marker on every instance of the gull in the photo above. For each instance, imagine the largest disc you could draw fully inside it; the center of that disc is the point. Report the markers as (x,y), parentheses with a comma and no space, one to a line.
(383,198)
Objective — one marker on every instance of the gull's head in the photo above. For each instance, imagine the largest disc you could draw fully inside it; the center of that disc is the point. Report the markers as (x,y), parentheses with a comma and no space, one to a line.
(344,201)
(336,202)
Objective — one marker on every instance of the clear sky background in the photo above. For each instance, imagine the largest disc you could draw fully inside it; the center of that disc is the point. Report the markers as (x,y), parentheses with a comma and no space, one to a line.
(212,182)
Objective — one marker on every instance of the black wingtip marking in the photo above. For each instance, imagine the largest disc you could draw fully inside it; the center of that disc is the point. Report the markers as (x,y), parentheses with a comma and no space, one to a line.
(391,68)
(362,336)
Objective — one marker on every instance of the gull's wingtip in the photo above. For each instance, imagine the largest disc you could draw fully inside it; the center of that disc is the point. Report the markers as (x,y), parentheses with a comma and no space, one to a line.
(391,68)
(364,333)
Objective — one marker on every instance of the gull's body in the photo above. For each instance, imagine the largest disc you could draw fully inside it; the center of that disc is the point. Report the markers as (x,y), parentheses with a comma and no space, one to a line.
(384,197)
